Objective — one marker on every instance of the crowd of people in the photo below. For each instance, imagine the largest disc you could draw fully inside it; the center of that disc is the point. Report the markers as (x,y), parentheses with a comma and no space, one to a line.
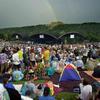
(24,61)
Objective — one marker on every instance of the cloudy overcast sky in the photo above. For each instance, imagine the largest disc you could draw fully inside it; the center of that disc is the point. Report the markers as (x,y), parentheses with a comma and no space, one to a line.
(16,13)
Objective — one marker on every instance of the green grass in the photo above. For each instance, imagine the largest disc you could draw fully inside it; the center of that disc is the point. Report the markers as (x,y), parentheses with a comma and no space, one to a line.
(22,81)
(19,82)
(98,60)
(39,81)
(66,96)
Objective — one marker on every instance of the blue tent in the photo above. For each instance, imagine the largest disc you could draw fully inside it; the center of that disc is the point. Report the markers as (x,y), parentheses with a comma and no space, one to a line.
(69,73)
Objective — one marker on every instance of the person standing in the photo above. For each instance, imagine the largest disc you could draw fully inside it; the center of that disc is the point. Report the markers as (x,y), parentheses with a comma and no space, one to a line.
(46,54)
(15,60)
(3,61)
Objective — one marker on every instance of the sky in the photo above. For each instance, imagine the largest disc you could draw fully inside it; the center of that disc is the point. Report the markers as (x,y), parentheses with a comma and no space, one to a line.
(17,13)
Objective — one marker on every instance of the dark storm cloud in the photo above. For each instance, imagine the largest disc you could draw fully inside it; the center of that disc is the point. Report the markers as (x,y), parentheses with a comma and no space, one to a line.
(31,12)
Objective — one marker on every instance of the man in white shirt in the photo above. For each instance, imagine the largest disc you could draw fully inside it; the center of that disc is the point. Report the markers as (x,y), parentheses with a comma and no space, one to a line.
(15,59)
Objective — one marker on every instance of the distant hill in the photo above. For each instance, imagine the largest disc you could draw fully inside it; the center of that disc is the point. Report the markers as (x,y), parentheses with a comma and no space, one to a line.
(90,30)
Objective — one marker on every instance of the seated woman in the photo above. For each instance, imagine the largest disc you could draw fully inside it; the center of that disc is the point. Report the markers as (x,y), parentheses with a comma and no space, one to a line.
(46,95)
(96,72)
(28,86)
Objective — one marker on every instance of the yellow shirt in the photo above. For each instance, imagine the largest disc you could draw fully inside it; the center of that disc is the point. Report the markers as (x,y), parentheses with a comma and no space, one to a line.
(46,55)
(20,53)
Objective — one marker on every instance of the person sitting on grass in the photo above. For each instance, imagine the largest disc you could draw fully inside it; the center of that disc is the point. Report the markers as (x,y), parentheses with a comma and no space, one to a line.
(17,75)
(51,86)
(28,86)
(6,82)
(13,93)
(46,95)
(96,72)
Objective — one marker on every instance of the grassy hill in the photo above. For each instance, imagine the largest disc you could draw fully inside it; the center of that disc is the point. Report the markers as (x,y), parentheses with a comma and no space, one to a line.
(89,30)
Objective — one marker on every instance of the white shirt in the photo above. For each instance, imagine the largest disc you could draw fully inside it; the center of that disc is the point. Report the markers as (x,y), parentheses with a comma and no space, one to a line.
(86,92)
(15,58)
(39,50)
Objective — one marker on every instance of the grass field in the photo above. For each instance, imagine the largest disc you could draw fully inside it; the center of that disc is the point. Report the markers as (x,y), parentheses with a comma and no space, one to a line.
(22,81)
(64,96)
